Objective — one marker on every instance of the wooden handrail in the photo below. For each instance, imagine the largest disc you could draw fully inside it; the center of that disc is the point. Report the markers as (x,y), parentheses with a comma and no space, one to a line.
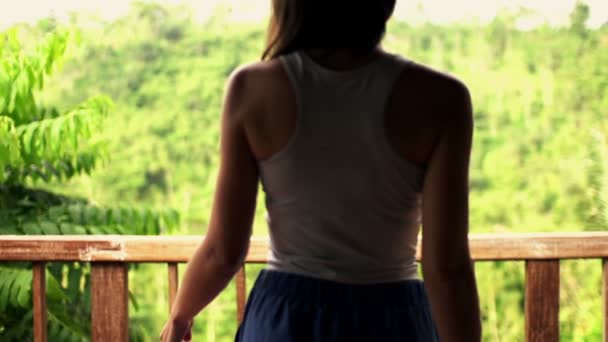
(179,248)
(109,255)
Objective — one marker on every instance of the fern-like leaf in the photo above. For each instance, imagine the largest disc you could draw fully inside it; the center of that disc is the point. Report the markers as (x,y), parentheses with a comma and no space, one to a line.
(53,139)
(10,145)
(15,287)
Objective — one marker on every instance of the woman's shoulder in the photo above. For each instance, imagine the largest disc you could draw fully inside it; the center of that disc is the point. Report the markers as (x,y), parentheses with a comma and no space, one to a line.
(257,85)
(434,94)
(254,76)
(429,84)
(260,78)
(426,77)
(257,71)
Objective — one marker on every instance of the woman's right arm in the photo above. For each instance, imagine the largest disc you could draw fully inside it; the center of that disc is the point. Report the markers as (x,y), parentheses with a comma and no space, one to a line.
(447,268)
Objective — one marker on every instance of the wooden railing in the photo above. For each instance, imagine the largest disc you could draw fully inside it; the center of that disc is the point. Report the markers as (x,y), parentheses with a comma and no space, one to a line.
(109,256)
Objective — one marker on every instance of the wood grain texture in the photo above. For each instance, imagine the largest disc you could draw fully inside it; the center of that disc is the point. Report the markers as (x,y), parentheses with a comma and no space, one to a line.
(180,248)
(110,255)
(109,302)
(605,296)
(39,301)
(173,283)
(542,301)
(241,294)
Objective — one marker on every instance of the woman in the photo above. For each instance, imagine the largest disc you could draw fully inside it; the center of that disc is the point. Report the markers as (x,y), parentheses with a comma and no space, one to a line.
(355,148)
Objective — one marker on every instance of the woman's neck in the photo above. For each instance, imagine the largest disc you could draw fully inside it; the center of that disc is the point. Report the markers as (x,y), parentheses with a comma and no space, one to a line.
(341,58)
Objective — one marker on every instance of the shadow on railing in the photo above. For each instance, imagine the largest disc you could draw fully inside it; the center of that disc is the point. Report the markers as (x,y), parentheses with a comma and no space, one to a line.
(110,254)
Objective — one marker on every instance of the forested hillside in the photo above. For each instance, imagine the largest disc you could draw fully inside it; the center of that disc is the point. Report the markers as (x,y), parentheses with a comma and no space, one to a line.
(540,156)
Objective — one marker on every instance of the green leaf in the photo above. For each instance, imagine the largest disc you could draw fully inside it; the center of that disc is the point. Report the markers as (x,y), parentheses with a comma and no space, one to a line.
(64,322)
(66,167)
(57,214)
(136,220)
(3,102)
(31,228)
(13,39)
(77,124)
(74,276)
(64,335)
(11,99)
(125,215)
(171,219)
(115,216)
(133,300)
(78,230)
(6,281)
(16,286)
(48,65)
(56,134)
(93,230)
(75,212)
(92,215)
(28,138)
(49,228)
(25,288)
(53,289)
(3,298)
(71,127)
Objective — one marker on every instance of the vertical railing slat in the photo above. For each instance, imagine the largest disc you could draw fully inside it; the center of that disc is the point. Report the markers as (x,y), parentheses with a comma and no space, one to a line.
(109,302)
(173,283)
(605,297)
(542,300)
(241,293)
(39,300)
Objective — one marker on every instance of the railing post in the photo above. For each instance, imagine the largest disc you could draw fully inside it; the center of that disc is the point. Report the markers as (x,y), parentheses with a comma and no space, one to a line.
(109,302)
(542,300)
(173,283)
(39,300)
(241,293)
(605,297)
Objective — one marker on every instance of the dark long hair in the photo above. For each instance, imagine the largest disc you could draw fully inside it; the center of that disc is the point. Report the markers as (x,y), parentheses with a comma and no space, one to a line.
(358,25)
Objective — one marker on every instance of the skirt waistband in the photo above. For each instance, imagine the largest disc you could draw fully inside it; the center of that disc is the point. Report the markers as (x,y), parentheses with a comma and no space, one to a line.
(324,292)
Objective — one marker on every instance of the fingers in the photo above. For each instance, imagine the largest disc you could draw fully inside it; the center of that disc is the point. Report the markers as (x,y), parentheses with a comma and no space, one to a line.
(171,333)
(162,333)
(188,336)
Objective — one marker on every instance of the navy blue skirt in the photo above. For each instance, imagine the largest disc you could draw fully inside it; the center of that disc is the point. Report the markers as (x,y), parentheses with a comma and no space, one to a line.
(285,307)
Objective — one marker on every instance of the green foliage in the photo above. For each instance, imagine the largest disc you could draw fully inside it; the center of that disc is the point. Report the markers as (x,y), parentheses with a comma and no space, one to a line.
(579,17)
(14,287)
(40,143)
(9,145)
(43,145)
(23,71)
(16,306)
(35,212)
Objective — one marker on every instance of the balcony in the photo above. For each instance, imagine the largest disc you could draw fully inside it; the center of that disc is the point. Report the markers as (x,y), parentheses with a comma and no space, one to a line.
(110,254)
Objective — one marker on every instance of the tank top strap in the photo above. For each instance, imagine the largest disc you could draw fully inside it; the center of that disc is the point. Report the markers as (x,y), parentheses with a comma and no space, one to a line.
(294,68)
(388,73)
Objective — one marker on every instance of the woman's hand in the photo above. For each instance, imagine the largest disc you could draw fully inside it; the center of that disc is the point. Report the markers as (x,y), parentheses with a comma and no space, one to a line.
(176,331)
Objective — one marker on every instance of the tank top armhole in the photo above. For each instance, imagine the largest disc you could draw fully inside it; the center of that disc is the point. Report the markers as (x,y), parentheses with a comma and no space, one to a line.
(287,62)
(400,66)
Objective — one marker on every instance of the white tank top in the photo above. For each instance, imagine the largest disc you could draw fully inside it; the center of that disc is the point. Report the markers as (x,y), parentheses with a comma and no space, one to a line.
(342,204)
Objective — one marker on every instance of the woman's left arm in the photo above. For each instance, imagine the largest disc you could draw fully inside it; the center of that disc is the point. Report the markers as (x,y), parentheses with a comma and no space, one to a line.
(222,252)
